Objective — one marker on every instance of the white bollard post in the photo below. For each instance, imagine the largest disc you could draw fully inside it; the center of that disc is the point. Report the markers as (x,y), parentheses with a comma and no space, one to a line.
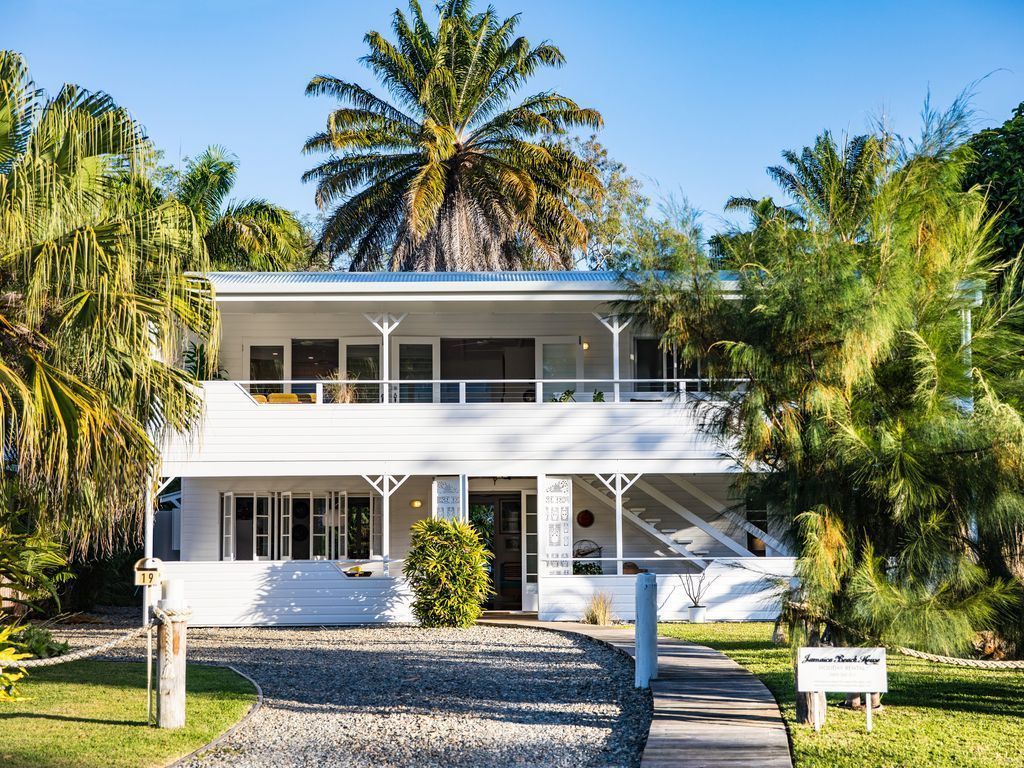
(170,700)
(646,636)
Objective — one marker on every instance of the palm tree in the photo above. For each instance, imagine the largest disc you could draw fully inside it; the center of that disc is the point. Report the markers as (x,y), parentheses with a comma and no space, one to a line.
(888,442)
(451,174)
(95,307)
(249,235)
(834,184)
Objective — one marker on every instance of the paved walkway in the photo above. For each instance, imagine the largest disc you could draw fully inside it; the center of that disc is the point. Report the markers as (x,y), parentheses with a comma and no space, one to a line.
(709,712)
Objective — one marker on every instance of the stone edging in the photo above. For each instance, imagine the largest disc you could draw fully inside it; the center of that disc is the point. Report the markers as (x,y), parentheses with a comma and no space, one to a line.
(257,705)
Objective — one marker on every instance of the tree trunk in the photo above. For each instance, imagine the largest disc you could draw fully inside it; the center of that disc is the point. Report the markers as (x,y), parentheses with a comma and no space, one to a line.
(810,702)
(856,701)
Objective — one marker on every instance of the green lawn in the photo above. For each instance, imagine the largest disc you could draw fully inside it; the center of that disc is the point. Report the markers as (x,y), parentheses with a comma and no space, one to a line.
(92,714)
(935,716)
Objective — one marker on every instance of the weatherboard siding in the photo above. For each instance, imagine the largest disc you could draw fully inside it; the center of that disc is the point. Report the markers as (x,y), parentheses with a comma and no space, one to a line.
(241,437)
(227,594)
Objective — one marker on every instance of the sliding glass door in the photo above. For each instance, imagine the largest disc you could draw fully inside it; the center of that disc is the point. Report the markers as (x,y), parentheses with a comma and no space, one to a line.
(415,360)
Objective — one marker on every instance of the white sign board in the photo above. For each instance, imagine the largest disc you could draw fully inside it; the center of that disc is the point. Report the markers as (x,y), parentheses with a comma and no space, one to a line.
(556,526)
(447,498)
(842,670)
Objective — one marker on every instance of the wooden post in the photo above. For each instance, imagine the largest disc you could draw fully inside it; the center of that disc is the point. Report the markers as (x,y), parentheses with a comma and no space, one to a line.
(170,700)
(646,636)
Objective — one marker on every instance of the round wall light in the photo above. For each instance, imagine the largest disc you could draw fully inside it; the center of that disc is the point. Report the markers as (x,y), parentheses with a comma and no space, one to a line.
(586,345)
(415,503)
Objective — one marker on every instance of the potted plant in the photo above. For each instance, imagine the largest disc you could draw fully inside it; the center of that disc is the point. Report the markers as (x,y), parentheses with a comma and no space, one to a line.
(696,588)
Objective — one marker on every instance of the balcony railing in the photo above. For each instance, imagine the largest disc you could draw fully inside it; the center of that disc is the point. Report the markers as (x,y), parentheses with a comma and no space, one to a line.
(464,391)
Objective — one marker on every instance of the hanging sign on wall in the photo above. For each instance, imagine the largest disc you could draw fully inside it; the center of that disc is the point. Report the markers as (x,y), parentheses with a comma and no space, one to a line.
(557,526)
(447,498)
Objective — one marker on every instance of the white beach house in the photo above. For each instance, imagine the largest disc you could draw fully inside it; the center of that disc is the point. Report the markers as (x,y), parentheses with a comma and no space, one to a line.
(352,404)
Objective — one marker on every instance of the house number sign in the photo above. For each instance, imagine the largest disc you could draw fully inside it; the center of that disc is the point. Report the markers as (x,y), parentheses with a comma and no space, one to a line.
(147,572)
(557,528)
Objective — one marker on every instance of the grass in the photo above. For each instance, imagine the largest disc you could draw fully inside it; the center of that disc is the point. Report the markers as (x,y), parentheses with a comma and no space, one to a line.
(92,714)
(935,715)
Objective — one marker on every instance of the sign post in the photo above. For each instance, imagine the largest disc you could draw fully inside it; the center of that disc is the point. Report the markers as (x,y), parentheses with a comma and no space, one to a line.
(842,670)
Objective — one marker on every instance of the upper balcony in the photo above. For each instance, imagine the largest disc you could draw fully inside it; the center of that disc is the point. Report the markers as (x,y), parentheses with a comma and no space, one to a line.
(477,427)
(486,373)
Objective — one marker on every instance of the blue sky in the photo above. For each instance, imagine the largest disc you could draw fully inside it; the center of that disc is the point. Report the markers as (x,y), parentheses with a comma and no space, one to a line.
(698,98)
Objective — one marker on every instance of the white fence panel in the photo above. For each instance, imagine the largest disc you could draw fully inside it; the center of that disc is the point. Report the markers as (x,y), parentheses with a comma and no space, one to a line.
(744,589)
(231,594)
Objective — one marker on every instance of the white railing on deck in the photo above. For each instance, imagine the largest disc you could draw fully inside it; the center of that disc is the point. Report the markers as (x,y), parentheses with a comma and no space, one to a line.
(463,391)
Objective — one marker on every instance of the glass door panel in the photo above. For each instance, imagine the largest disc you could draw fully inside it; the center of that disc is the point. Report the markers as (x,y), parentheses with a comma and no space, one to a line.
(245,527)
(559,360)
(362,363)
(530,557)
(319,528)
(415,363)
(266,365)
(376,527)
(336,526)
(284,526)
(357,528)
(313,360)
(300,526)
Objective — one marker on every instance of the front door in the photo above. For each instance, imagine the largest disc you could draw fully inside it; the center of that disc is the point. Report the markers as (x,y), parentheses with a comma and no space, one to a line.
(498,518)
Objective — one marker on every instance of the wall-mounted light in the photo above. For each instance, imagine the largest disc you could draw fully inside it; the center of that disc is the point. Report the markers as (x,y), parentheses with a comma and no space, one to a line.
(416,503)
(586,345)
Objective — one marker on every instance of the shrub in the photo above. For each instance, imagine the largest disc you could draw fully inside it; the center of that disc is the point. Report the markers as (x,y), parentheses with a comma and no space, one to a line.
(447,571)
(36,640)
(599,610)
(10,674)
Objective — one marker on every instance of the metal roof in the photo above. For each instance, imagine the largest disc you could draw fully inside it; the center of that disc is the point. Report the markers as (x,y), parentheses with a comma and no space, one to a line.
(364,278)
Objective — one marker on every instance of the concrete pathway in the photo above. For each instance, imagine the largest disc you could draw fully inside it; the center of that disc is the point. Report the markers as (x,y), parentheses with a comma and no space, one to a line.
(709,712)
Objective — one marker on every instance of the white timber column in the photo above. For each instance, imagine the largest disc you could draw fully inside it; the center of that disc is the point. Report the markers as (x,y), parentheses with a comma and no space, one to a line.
(616,325)
(147,547)
(385,485)
(148,523)
(618,483)
(385,323)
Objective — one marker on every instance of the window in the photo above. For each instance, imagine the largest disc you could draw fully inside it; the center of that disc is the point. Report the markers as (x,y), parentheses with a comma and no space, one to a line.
(296,525)
(266,364)
(757,514)
(312,360)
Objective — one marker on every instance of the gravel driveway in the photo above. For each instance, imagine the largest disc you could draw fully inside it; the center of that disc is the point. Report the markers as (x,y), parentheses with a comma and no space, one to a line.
(405,696)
